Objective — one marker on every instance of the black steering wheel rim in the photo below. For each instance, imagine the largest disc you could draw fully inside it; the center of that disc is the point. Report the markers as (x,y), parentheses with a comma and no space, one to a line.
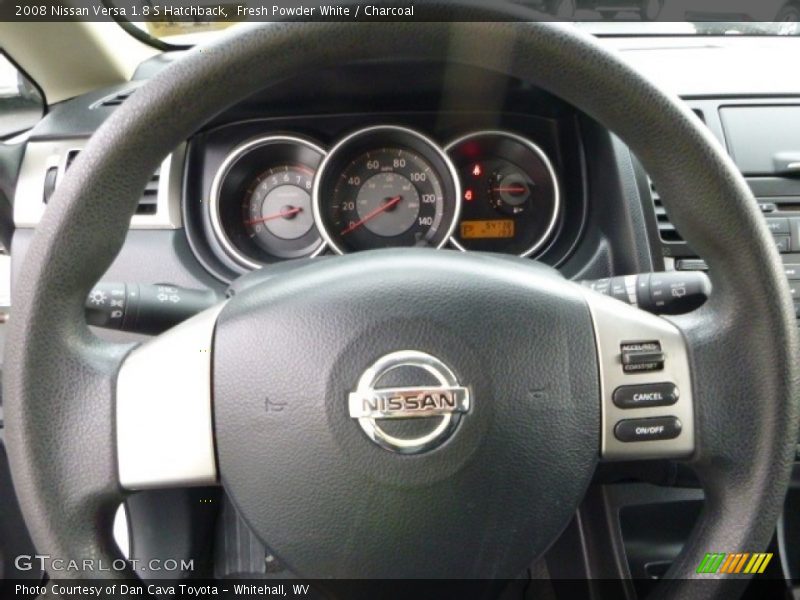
(59,379)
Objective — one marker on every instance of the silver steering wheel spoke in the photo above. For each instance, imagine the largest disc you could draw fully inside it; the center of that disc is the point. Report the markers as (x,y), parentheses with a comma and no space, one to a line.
(645,383)
(164,420)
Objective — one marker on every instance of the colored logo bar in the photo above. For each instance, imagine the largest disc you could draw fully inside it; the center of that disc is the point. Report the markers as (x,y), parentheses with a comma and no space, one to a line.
(741,562)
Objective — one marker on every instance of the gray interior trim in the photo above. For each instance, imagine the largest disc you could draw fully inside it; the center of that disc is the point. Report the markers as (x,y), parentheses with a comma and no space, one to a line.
(163,413)
(616,323)
(40,156)
(73,57)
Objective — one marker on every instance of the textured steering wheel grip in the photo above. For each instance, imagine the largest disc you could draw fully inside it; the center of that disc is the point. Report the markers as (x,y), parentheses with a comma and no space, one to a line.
(59,379)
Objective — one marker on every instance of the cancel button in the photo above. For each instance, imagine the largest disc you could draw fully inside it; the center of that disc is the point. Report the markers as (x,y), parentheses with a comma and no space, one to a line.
(642,396)
(646,430)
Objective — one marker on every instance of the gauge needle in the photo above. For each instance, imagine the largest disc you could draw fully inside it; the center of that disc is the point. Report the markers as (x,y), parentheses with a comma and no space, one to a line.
(511,189)
(284,213)
(371,215)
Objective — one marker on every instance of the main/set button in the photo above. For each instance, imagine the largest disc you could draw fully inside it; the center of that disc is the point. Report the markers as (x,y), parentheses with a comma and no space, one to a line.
(648,430)
(641,396)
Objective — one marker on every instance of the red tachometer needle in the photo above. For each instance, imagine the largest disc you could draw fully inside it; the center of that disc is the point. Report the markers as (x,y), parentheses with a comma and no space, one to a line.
(371,215)
(284,213)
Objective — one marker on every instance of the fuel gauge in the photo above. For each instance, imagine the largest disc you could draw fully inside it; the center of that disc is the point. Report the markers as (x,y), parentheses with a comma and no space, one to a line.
(511,201)
(510,190)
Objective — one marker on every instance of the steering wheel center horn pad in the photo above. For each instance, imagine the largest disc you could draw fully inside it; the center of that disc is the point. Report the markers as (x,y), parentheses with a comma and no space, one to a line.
(516,338)
(404,415)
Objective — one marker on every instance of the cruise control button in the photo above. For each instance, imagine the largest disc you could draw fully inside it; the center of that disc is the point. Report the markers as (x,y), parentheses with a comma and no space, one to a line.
(640,396)
(792,271)
(641,356)
(782,242)
(648,430)
(778,225)
(691,264)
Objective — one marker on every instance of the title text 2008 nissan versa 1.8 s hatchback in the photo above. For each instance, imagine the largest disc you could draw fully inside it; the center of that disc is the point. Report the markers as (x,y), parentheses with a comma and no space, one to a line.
(399,300)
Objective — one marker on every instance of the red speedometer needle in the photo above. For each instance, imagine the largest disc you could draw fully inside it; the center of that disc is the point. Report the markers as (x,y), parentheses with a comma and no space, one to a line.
(284,213)
(372,214)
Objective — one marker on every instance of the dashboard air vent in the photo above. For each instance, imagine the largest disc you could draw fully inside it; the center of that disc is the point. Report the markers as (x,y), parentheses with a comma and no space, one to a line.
(71,156)
(666,230)
(149,199)
(114,99)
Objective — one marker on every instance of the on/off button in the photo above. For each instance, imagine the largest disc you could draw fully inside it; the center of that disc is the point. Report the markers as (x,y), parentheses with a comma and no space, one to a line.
(648,430)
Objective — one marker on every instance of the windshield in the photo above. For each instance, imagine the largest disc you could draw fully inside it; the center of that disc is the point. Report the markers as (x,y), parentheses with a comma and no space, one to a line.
(600,17)
(191,33)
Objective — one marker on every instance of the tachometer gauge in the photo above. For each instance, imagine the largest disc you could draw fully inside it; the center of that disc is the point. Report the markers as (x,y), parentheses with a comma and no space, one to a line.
(386,187)
(260,208)
(278,205)
(511,200)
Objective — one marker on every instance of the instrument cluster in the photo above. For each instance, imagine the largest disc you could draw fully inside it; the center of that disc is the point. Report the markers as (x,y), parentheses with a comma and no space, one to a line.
(279,197)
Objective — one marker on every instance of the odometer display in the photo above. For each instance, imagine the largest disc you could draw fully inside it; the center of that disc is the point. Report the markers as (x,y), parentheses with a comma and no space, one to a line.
(386,187)
(491,229)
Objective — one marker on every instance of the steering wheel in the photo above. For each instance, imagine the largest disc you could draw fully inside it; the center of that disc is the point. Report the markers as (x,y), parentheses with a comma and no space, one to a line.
(259,393)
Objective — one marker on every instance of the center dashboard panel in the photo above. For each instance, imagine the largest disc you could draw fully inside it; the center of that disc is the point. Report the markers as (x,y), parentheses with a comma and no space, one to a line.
(264,191)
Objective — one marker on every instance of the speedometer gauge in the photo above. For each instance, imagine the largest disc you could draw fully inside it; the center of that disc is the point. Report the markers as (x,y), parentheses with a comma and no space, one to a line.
(386,187)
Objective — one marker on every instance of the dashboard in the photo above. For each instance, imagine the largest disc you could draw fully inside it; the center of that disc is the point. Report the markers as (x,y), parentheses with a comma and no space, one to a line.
(266,191)
(282,196)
